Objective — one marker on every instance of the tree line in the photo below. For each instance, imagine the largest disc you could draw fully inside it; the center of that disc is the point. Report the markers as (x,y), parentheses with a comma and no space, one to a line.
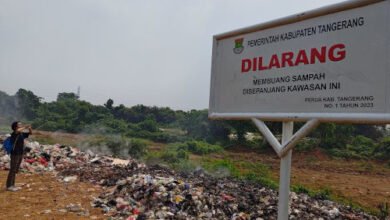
(70,114)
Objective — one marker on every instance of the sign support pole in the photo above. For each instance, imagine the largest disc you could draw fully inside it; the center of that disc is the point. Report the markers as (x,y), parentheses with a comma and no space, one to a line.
(285,168)
(284,151)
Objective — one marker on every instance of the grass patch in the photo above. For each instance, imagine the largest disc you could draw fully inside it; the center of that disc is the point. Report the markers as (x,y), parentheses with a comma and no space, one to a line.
(177,155)
(48,141)
(178,160)
(221,167)
(323,193)
(197,147)
(256,172)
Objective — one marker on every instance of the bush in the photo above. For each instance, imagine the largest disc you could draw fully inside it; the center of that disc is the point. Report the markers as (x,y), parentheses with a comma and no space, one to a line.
(382,152)
(199,147)
(224,167)
(137,148)
(182,154)
(148,125)
(359,147)
(252,176)
(306,145)
(184,166)
(332,143)
(170,157)
(324,194)
(166,138)
(177,160)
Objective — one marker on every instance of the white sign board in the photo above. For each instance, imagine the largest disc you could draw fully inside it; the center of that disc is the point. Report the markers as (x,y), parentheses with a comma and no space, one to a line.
(332,65)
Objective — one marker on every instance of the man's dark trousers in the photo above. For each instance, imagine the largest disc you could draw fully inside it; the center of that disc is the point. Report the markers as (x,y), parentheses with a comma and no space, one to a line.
(16,160)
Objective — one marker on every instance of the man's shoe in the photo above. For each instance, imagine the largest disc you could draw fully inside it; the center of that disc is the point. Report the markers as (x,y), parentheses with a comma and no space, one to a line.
(12,188)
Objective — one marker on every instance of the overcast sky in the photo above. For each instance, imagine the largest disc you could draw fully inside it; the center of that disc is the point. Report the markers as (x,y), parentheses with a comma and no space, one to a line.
(135,52)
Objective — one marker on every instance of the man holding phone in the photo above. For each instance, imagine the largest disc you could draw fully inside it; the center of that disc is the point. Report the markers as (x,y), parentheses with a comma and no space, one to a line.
(17,139)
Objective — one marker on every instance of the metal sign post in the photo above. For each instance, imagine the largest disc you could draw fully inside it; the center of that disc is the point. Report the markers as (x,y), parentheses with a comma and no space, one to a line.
(284,151)
(285,170)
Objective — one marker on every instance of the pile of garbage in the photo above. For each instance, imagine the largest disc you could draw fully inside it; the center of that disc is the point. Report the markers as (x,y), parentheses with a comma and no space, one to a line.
(132,190)
(158,192)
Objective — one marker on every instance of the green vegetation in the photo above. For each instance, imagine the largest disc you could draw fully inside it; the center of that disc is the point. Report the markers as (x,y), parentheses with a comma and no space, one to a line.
(306,145)
(222,167)
(353,141)
(323,193)
(198,147)
(382,150)
(384,210)
(179,160)
(127,131)
(192,131)
(162,124)
(177,154)
(361,147)
(46,140)
(256,172)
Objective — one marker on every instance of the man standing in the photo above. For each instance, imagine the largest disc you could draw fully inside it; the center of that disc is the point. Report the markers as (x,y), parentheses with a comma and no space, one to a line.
(17,139)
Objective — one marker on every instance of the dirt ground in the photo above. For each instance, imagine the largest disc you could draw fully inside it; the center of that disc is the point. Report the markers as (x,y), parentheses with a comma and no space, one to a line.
(366,183)
(43,192)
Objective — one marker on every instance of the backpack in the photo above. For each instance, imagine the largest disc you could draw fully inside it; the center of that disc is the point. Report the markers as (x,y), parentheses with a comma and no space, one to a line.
(8,146)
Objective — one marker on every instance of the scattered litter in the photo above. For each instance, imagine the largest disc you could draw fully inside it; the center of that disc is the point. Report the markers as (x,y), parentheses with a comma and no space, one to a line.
(133,190)
(74,207)
(48,211)
(70,179)
(62,210)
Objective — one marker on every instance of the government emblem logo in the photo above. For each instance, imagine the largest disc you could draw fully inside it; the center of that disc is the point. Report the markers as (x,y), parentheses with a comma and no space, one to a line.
(238,45)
